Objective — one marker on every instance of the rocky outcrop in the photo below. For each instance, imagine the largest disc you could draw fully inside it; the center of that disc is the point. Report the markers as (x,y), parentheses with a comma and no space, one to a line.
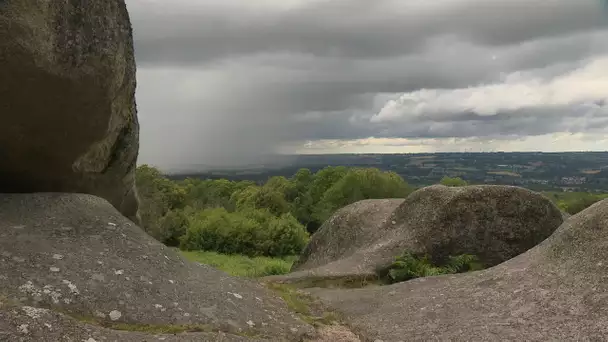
(555,291)
(78,257)
(349,230)
(69,120)
(495,223)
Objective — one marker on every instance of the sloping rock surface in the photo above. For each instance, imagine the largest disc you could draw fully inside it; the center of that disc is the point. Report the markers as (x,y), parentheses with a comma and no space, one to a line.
(557,291)
(76,255)
(69,120)
(349,230)
(494,223)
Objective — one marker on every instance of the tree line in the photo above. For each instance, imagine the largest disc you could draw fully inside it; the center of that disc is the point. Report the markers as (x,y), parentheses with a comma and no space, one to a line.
(241,217)
(273,219)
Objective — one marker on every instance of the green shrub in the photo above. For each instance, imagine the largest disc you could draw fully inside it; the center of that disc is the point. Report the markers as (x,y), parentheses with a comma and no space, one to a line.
(249,232)
(409,266)
(456,181)
(172,227)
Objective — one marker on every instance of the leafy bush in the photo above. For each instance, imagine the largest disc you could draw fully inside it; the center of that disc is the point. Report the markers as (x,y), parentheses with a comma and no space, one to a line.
(249,232)
(409,266)
(456,181)
(357,185)
(172,227)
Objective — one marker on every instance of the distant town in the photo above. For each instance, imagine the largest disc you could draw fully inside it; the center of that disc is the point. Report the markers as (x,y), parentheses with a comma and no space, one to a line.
(567,171)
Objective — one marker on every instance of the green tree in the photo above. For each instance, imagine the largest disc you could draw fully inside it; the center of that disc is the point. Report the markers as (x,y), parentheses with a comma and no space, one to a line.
(575,205)
(255,197)
(360,184)
(158,195)
(456,181)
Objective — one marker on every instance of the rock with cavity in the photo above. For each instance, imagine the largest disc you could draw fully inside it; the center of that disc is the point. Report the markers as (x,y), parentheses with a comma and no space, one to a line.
(555,291)
(69,120)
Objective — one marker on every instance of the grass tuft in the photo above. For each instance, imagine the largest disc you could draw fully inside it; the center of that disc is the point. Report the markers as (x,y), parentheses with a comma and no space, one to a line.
(242,266)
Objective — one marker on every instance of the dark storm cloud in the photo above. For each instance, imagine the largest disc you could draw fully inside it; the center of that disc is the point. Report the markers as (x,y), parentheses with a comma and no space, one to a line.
(223,82)
(190,32)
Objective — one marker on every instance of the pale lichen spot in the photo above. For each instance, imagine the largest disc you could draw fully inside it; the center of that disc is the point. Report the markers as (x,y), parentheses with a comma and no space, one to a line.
(33,312)
(158,306)
(250,323)
(18,259)
(57,256)
(119,272)
(115,315)
(71,286)
(172,281)
(91,340)
(99,314)
(23,328)
(236,295)
(112,224)
(54,269)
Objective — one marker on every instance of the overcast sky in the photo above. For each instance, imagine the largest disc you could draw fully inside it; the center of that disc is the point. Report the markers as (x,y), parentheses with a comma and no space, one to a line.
(224,82)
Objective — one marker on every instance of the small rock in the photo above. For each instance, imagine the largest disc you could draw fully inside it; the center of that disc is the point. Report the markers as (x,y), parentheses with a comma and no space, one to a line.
(57,256)
(119,272)
(115,315)
(23,329)
(112,224)
(250,323)
(54,269)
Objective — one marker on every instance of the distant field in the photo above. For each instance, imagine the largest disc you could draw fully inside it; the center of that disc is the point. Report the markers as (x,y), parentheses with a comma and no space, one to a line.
(504,173)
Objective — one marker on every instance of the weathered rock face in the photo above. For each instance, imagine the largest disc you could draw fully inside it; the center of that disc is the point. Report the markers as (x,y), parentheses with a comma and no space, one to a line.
(495,223)
(349,230)
(77,256)
(69,120)
(555,291)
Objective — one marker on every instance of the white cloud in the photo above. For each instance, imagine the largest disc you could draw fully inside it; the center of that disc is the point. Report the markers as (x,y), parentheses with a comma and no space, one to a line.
(554,142)
(581,86)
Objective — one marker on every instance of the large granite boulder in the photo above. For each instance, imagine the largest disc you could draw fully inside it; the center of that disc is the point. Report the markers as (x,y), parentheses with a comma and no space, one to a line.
(69,120)
(347,231)
(556,291)
(92,268)
(495,223)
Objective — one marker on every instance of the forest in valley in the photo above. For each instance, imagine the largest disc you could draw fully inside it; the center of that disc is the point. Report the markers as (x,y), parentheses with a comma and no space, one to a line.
(255,229)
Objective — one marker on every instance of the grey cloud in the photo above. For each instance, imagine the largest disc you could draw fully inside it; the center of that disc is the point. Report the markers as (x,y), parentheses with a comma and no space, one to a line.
(224,85)
(171,34)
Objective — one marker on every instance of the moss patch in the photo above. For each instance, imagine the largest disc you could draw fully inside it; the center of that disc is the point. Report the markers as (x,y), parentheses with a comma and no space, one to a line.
(344,282)
(305,306)
(168,329)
